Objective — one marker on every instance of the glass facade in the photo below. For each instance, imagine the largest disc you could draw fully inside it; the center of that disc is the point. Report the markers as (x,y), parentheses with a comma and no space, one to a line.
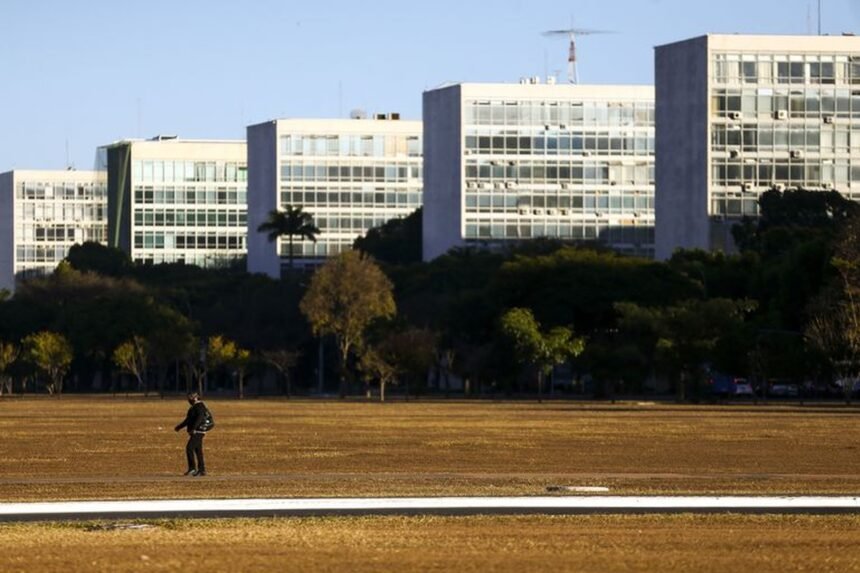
(782,121)
(189,211)
(53,215)
(570,169)
(349,182)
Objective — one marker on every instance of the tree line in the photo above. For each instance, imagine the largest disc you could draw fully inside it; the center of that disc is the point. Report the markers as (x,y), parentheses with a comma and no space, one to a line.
(481,321)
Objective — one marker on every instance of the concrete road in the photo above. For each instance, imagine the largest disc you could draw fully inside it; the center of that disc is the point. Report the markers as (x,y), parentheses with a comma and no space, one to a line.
(548,505)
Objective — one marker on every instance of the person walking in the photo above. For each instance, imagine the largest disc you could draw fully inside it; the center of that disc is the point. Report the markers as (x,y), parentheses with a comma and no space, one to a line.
(197,422)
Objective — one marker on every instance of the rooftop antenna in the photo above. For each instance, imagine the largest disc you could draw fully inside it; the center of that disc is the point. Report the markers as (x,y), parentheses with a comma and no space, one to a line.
(572,33)
(819,17)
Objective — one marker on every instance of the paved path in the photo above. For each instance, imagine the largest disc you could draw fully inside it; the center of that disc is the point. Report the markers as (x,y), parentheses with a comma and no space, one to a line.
(152,509)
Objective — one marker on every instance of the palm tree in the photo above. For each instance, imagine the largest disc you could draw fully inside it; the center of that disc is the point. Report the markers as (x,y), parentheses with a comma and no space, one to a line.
(292,222)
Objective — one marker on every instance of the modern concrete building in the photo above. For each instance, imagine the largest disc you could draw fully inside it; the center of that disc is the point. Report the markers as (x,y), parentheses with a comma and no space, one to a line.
(508,162)
(737,115)
(350,174)
(178,201)
(44,213)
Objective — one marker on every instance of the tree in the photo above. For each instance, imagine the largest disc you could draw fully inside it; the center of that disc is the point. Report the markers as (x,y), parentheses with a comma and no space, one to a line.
(132,356)
(283,361)
(51,353)
(240,362)
(684,337)
(377,364)
(220,353)
(396,242)
(834,324)
(543,350)
(196,362)
(292,222)
(414,352)
(345,296)
(8,355)
(98,258)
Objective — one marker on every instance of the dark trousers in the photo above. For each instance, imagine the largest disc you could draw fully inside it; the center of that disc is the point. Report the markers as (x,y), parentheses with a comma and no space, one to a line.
(195,448)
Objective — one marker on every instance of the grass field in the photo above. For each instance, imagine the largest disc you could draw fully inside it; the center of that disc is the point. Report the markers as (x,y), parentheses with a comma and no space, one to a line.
(715,543)
(105,448)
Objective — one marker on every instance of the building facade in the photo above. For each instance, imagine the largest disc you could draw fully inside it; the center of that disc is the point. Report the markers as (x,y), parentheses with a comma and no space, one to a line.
(351,175)
(178,201)
(44,213)
(738,115)
(506,163)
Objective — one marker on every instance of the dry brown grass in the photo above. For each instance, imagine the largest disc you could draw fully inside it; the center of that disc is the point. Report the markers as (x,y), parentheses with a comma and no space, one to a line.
(714,543)
(76,448)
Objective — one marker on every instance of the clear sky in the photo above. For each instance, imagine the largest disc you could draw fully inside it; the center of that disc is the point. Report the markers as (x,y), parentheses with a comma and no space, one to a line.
(78,74)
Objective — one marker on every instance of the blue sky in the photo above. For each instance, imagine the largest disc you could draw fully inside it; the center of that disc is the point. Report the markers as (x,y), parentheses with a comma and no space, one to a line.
(94,71)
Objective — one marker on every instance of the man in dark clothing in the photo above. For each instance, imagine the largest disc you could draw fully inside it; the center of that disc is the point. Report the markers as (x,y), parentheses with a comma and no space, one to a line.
(195,424)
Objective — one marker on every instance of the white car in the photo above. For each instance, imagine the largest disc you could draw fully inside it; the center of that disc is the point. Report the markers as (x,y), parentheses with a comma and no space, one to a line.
(744,388)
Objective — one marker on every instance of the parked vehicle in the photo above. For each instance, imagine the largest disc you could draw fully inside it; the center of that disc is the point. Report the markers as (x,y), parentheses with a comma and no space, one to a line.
(727,386)
(783,390)
(854,383)
(743,388)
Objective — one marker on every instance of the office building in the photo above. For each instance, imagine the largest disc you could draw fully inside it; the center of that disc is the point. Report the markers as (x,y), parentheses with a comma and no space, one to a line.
(738,115)
(178,201)
(351,175)
(44,213)
(512,162)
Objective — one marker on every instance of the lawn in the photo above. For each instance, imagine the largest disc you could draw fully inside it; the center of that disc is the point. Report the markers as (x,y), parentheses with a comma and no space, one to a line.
(711,543)
(117,448)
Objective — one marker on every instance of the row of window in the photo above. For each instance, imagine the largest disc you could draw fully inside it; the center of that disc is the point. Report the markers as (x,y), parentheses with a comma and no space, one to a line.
(781,104)
(199,241)
(62,191)
(560,205)
(320,249)
(346,198)
(205,260)
(737,205)
(383,173)
(358,223)
(352,145)
(60,233)
(191,195)
(41,253)
(64,212)
(557,173)
(557,113)
(190,218)
(802,173)
(786,69)
(189,171)
(833,139)
(555,143)
(630,232)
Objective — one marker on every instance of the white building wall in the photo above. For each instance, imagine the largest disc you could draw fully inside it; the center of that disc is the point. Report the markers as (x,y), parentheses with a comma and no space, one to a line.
(262,197)
(349,174)
(181,201)
(512,162)
(43,214)
(738,115)
(443,173)
(7,226)
(682,142)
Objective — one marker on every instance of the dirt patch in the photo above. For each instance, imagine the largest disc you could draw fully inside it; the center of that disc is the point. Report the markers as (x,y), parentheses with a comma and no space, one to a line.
(125,448)
(711,543)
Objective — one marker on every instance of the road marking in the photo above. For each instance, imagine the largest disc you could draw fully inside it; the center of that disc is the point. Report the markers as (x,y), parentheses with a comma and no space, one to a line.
(143,509)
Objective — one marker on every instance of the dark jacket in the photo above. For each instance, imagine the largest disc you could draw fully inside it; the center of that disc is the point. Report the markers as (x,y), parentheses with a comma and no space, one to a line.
(194,419)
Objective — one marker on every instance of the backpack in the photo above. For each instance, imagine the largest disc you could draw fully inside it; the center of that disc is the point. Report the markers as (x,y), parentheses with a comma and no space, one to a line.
(208,421)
